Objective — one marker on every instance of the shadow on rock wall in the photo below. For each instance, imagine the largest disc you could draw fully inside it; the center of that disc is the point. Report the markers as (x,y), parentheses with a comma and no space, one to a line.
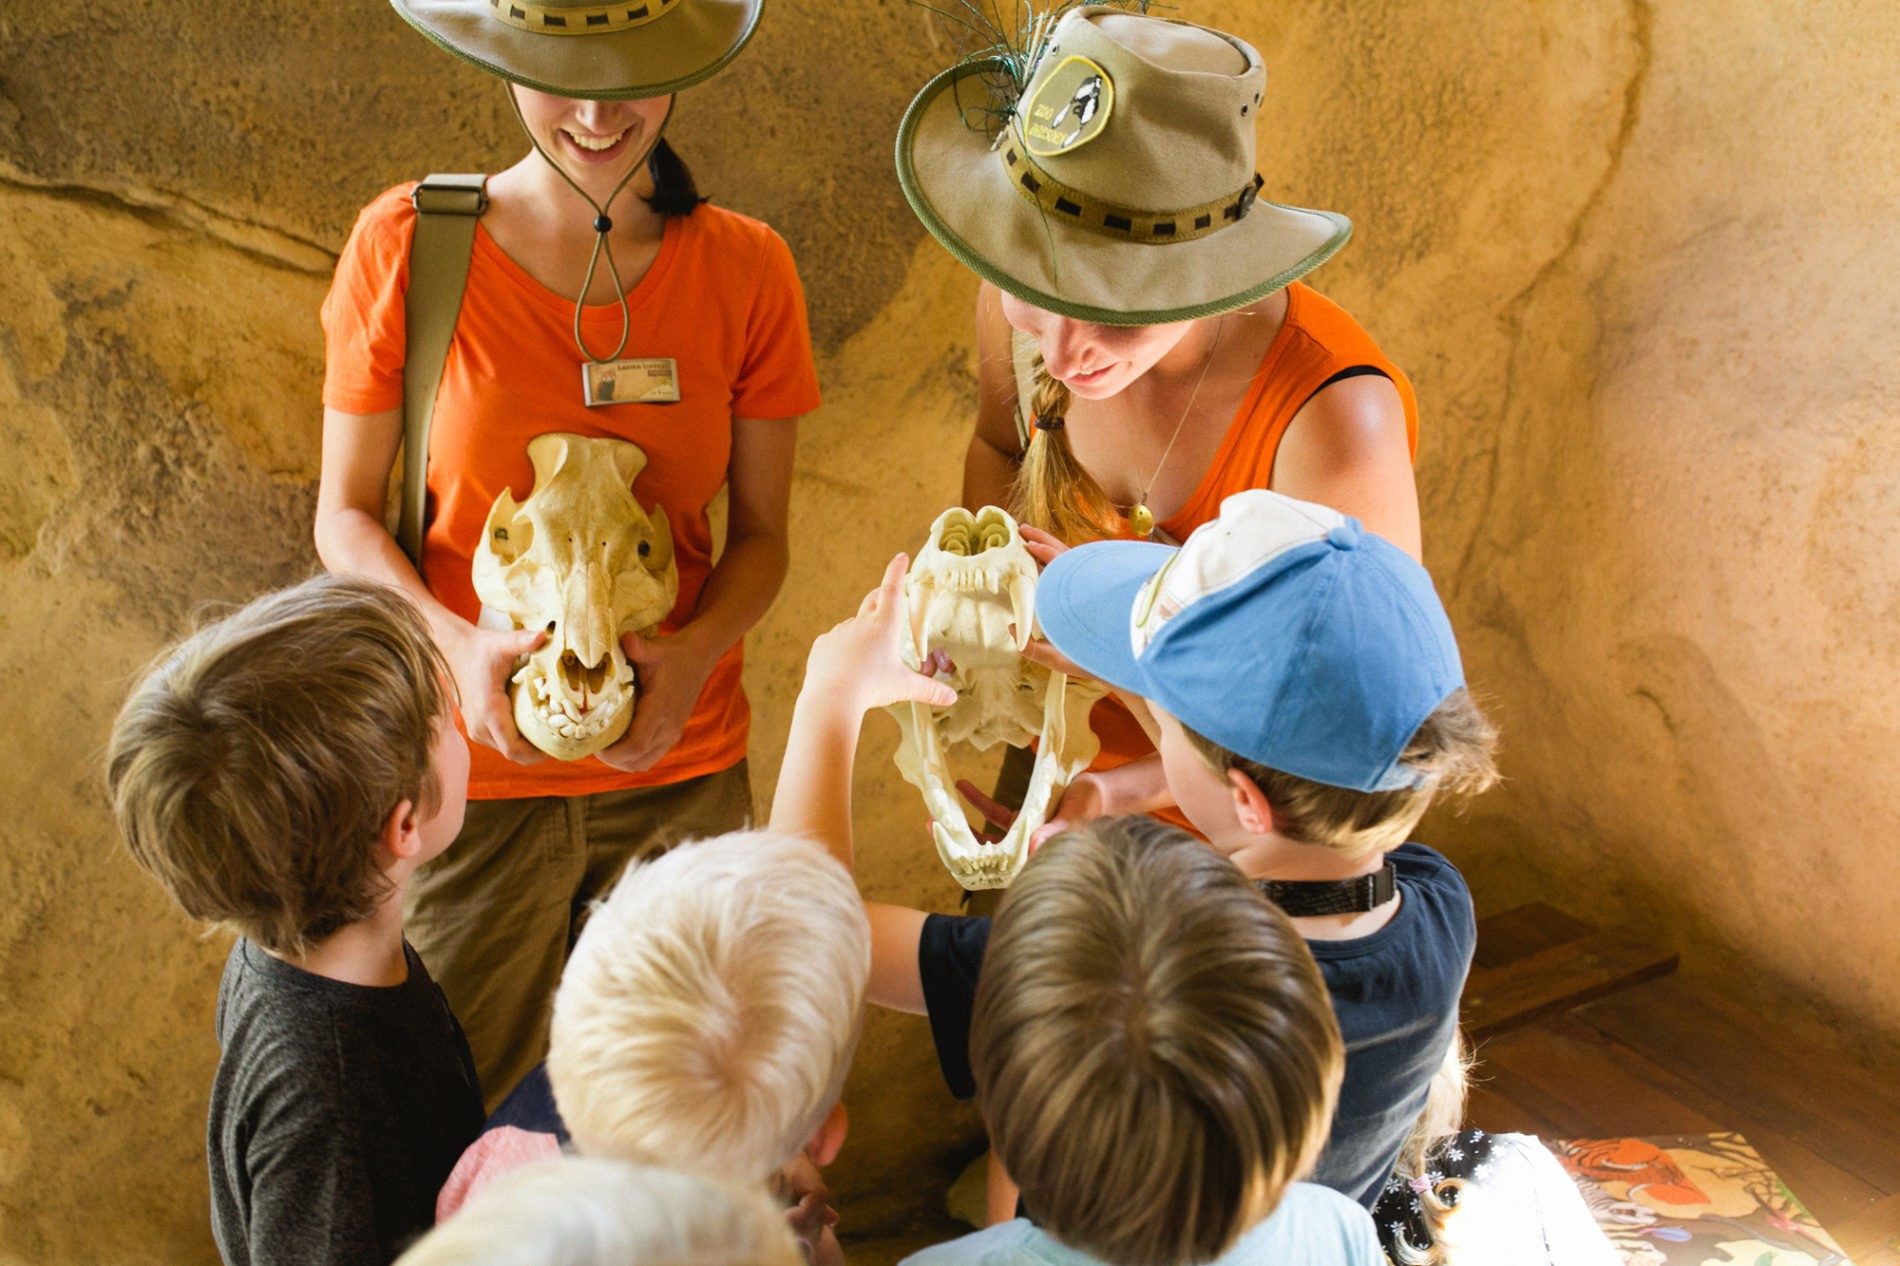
(1638,260)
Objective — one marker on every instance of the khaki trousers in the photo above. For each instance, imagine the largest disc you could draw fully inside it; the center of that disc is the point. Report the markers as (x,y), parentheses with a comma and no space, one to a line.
(495,916)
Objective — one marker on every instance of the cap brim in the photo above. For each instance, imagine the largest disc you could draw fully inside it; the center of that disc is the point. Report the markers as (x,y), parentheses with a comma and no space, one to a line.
(1084,601)
(963,194)
(674,51)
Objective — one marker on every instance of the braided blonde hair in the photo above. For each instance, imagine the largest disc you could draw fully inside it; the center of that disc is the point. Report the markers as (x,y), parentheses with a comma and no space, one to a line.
(1053,491)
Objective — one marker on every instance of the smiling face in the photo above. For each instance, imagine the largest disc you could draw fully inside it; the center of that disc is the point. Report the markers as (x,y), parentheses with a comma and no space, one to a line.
(592,139)
(1095,362)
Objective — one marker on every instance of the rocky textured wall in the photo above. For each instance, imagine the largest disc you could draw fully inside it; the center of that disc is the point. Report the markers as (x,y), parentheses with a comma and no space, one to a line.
(1639,259)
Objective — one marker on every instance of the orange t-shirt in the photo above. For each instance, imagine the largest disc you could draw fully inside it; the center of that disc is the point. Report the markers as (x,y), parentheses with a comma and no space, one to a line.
(1317,341)
(722,298)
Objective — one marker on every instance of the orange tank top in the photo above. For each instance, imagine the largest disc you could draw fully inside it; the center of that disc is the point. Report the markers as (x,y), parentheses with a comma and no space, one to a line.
(1317,341)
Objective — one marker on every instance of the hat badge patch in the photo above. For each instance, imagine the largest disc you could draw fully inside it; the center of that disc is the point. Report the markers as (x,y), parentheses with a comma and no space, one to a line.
(1068,109)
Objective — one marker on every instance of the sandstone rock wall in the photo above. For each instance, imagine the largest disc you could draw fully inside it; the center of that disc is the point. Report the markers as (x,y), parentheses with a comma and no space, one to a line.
(1639,260)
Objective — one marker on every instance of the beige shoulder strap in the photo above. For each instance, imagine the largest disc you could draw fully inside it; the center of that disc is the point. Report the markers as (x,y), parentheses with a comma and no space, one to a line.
(446,209)
(1022,358)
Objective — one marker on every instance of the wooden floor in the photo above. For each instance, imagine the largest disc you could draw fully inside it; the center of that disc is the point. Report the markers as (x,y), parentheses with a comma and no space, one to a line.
(1639,1051)
(1588,1034)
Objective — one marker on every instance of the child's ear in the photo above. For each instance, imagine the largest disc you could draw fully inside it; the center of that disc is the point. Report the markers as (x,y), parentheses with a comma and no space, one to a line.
(401,836)
(828,1139)
(1251,807)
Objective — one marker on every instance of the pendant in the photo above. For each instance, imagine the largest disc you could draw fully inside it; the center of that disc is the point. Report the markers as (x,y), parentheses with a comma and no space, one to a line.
(1142,521)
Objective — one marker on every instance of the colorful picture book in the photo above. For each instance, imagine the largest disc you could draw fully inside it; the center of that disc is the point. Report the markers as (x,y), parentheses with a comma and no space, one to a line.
(1694,1200)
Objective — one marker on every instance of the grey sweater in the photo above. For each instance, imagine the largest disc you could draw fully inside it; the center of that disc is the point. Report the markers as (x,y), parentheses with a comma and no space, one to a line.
(337,1112)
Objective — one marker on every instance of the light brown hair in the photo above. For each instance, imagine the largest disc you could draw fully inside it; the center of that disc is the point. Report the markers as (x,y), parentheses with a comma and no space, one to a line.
(1053,490)
(1455,748)
(1155,1052)
(254,765)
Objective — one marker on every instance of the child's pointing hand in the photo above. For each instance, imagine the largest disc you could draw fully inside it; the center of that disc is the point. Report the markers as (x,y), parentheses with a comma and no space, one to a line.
(860,662)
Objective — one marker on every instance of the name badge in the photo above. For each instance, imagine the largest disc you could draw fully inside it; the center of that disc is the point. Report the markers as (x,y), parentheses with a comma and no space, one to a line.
(652,381)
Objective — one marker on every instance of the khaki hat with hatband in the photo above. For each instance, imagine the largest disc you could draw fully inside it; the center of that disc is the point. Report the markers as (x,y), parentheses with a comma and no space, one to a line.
(633,48)
(1119,187)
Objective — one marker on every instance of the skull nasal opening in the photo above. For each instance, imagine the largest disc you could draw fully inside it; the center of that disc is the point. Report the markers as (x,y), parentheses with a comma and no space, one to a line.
(584,679)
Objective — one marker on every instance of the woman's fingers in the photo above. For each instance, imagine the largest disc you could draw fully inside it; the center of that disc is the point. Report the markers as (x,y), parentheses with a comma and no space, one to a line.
(1040,651)
(1041,545)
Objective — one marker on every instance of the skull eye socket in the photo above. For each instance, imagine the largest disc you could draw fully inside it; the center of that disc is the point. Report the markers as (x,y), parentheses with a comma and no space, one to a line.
(510,540)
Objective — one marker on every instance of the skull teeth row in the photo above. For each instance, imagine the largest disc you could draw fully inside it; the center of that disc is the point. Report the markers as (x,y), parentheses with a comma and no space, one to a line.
(971,580)
(560,716)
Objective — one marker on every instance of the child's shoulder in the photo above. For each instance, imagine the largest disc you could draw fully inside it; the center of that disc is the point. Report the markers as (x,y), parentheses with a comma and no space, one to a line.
(1006,1242)
(1311,1224)
(1440,898)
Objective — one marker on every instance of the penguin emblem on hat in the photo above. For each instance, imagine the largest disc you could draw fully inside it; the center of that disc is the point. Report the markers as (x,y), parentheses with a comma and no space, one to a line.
(1087,98)
(1066,108)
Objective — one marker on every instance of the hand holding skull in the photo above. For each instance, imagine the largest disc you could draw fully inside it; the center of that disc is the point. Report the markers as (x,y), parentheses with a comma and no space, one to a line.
(481,661)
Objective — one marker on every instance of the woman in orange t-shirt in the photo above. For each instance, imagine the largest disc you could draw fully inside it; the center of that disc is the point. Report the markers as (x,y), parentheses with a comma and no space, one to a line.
(1143,346)
(711,291)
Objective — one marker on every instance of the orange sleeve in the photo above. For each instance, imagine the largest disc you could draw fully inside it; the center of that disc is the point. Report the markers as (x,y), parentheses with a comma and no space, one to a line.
(777,378)
(364,338)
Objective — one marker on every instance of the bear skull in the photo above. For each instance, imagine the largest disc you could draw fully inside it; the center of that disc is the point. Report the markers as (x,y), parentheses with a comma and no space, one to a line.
(582,559)
(971,593)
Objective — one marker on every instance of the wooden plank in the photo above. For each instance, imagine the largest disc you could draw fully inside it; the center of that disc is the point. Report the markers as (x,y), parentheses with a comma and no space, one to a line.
(1521,931)
(1775,1069)
(1500,1104)
(1573,1077)
(1872,1236)
(1588,1085)
(1557,978)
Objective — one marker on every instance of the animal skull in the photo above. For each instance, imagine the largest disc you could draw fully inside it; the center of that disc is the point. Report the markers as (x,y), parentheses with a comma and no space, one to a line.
(972,594)
(581,559)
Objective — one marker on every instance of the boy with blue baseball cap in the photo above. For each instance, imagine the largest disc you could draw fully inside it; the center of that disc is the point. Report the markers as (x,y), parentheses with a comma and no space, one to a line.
(1309,704)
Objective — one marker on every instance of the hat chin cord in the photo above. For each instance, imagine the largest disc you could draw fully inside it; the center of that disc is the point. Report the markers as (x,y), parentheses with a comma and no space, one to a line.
(603,225)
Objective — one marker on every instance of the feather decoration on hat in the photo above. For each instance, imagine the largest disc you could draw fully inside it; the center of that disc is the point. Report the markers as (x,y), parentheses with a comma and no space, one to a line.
(1012,50)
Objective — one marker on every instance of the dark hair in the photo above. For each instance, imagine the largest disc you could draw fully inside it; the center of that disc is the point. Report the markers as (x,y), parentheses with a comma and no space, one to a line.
(674,190)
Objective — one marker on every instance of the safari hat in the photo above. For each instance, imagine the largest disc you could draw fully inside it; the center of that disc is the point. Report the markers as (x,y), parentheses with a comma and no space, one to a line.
(581,48)
(1119,186)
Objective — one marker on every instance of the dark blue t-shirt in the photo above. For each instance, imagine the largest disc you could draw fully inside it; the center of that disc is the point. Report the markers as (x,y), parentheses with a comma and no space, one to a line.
(1395,994)
(530,1106)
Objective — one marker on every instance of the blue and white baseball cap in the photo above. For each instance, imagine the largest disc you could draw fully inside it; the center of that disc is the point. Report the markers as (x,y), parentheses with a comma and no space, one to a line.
(1281,630)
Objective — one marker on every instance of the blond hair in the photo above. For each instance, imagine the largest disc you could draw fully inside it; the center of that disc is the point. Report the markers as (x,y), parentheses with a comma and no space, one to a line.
(1155,1052)
(1438,1124)
(1053,490)
(253,767)
(1454,749)
(584,1212)
(710,1009)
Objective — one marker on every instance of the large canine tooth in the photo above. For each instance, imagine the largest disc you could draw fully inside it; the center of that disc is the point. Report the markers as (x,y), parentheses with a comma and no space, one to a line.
(1022,607)
(971,593)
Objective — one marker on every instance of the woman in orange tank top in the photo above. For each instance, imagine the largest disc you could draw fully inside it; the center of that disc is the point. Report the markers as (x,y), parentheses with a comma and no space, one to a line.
(1292,395)
(1144,349)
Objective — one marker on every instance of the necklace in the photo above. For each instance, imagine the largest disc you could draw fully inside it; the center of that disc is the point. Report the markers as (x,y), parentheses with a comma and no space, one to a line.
(1140,517)
(1303,899)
